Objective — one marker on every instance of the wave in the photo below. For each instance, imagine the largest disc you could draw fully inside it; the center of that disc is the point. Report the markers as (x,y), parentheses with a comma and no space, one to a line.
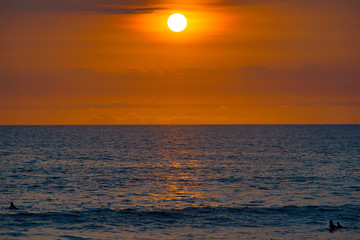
(246,216)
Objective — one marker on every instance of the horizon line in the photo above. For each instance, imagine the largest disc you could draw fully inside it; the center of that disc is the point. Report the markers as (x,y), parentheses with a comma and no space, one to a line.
(179,124)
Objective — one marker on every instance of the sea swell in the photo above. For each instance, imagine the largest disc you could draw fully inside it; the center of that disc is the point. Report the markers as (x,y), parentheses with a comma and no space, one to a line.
(179,182)
(247,216)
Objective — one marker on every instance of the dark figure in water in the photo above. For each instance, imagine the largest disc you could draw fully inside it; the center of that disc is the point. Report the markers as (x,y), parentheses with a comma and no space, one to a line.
(332,225)
(12,206)
(338,225)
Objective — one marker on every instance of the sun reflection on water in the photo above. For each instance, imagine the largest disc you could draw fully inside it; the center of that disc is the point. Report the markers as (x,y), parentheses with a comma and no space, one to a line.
(177,173)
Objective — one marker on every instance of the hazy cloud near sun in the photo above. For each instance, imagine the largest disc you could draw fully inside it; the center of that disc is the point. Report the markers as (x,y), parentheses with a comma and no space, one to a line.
(320,5)
(149,6)
(105,6)
(240,2)
(314,82)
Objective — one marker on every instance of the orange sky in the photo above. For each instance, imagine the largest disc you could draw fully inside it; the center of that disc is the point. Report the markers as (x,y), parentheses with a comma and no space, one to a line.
(237,62)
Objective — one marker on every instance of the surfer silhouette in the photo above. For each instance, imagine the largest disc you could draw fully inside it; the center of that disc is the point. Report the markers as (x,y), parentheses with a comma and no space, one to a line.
(338,225)
(12,206)
(332,225)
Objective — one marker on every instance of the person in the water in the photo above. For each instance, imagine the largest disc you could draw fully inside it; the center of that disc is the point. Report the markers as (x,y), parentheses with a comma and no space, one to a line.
(12,206)
(338,225)
(332,225)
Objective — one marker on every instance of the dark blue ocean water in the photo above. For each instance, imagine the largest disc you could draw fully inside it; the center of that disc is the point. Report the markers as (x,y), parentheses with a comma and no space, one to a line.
(179,182)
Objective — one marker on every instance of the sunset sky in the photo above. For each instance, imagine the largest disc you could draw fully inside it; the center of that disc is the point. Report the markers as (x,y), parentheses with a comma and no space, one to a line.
(237,62)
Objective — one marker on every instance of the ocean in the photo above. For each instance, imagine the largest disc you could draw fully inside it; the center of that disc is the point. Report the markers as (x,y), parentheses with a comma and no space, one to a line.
(180,182)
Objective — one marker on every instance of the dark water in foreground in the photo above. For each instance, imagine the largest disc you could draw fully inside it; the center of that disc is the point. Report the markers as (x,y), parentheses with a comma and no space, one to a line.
(179,182)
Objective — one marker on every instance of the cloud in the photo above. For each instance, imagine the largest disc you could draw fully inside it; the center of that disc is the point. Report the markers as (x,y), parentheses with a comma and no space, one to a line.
(105,6)
(178,106)
(308,82)
(147,6)
(125,10)
(252,2)
(318,5)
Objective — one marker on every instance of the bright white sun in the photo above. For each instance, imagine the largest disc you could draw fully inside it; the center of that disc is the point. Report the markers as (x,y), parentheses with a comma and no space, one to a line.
(177,22)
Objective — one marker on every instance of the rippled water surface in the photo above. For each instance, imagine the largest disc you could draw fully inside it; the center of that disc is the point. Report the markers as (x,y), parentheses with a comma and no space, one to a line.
(179,182)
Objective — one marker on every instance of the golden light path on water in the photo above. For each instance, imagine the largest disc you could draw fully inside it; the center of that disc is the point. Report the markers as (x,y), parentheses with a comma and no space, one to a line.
(177,172)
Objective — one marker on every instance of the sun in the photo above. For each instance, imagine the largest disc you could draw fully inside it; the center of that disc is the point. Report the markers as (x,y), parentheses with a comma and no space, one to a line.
(177,22)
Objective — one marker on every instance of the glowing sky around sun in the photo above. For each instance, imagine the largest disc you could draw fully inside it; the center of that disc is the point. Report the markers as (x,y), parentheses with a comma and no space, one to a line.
(236,62)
